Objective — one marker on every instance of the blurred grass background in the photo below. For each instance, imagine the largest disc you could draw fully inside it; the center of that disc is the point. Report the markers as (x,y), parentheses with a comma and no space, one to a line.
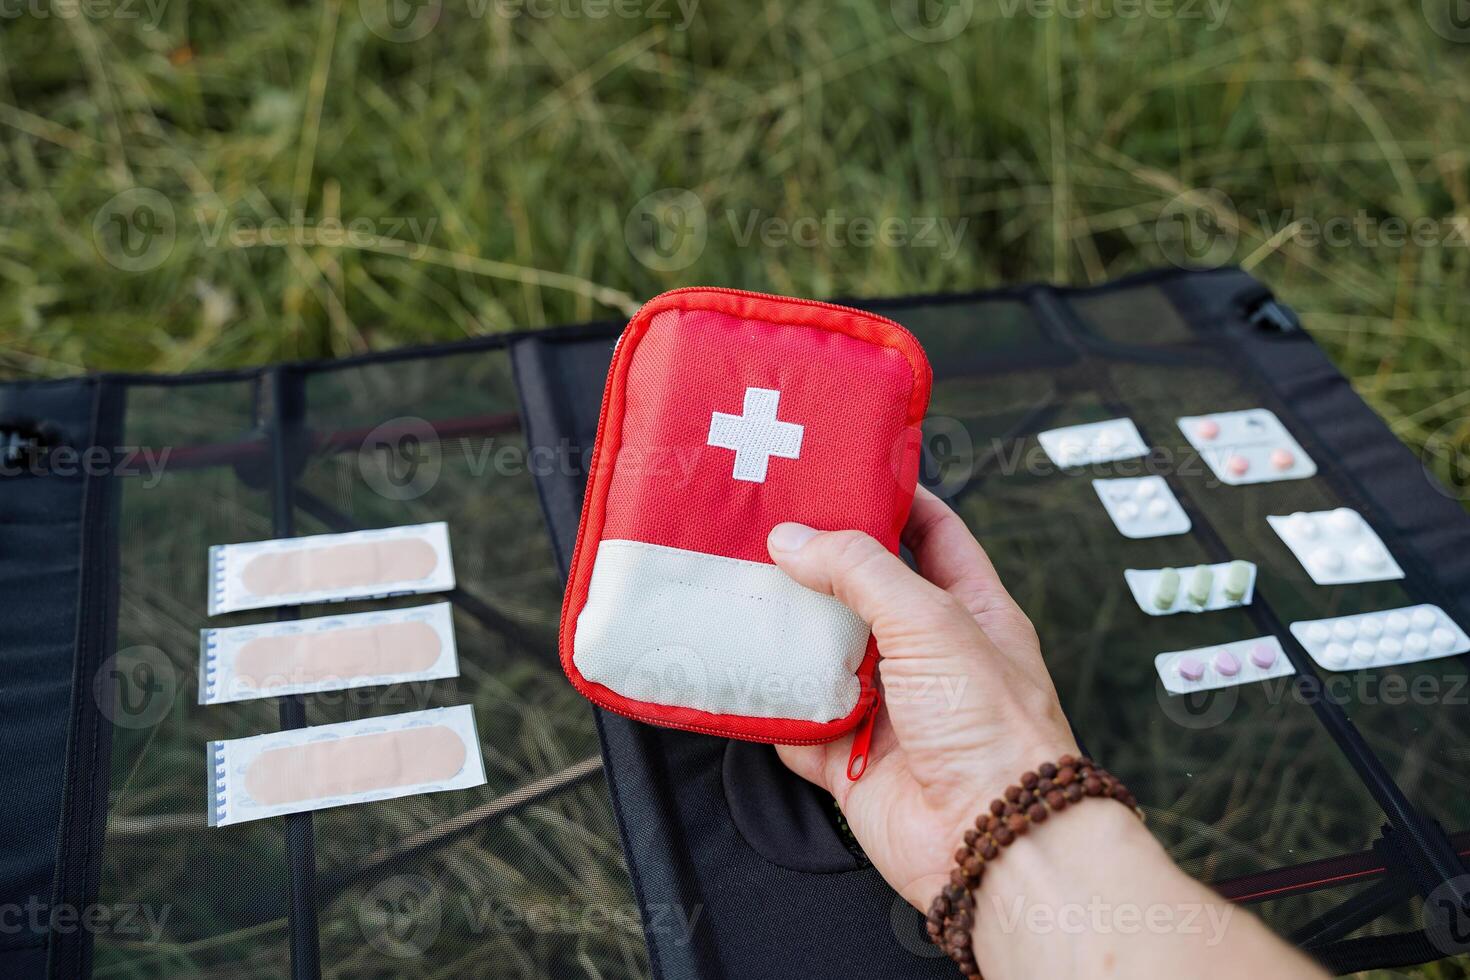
(186,186)
(494,160)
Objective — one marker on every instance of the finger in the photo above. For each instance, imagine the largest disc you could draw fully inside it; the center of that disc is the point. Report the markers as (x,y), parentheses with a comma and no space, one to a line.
(862,574)
(947,553)
(949,556)
(807,761)
(825,765)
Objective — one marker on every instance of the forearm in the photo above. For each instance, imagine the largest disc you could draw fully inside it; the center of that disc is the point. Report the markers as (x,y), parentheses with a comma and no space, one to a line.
(1091,894)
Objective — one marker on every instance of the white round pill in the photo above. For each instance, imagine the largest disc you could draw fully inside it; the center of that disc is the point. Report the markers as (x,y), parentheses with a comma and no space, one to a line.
(1327,559)
(1158,509)
(1318,633)
(1415,644)
(1364,650)
(1305,526)
(1422,618)
(1335,655)
(1441,639)
(1370,554)
(1145,489)
(1396,622)
(1370,627)
(1344,521)
(1127,512)
(1344,629)
(1390,647)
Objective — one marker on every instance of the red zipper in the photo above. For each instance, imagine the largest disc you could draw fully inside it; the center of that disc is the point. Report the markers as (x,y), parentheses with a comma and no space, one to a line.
(866,722)
(819,304)
(862,741)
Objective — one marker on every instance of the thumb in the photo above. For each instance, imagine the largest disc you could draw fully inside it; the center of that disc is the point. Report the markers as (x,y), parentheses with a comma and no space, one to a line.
(862,574)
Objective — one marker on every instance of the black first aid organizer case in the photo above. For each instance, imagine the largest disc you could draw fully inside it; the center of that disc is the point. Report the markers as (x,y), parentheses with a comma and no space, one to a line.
(1335,806)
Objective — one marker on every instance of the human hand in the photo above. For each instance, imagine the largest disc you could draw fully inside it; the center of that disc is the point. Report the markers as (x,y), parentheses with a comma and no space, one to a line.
(968,703)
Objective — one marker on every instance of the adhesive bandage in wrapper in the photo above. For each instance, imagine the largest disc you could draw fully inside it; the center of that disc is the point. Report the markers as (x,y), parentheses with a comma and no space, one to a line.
(330,568)
(331,653)
(352,762)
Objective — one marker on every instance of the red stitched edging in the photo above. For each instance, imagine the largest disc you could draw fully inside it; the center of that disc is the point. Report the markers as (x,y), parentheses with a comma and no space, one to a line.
(770,309)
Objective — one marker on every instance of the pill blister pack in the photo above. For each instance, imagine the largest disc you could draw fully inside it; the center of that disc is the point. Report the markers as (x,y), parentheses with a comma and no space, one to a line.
(1336,547)
(1093,442)
(1142,506)
(1251,446)
(1203,588)
(1381,639)
(1225,665)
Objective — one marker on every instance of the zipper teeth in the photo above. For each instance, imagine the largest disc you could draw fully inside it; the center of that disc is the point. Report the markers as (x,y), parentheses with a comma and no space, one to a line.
(597,454)
(820,304)
(705,730)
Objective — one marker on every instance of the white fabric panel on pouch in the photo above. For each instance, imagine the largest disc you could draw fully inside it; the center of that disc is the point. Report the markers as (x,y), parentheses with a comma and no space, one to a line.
(724,635)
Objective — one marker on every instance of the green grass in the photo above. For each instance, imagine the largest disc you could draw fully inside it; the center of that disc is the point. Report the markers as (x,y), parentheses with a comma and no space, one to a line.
(496,171)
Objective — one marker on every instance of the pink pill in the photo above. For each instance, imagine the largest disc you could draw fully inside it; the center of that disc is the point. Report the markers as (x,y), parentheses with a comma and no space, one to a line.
(1227,664)
(1263,655)
(1238,465)
(1208,429)
(1283,459)
(1191,668)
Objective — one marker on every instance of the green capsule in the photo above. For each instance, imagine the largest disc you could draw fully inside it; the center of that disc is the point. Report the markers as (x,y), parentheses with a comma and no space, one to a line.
(1237,580)
(1200,582)
(1166,589)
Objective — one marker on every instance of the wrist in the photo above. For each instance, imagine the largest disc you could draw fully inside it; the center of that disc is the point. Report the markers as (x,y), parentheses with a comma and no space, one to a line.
(1036,798)
(1052,875)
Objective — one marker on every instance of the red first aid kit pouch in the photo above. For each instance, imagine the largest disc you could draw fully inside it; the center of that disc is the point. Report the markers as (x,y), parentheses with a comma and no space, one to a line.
(726,413)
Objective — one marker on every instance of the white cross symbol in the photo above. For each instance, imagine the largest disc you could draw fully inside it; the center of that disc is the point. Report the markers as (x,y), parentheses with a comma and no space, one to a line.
(755,436)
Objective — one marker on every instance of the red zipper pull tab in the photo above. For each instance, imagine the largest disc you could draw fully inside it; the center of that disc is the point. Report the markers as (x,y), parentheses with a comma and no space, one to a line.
(857,759)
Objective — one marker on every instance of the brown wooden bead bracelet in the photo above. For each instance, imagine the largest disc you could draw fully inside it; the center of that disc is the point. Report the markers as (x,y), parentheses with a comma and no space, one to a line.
(1048,789)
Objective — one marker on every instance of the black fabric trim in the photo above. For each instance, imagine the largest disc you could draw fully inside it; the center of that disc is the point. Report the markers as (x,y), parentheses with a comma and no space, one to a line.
(89,744)
(1388,952)
(283,415)
(611,328)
